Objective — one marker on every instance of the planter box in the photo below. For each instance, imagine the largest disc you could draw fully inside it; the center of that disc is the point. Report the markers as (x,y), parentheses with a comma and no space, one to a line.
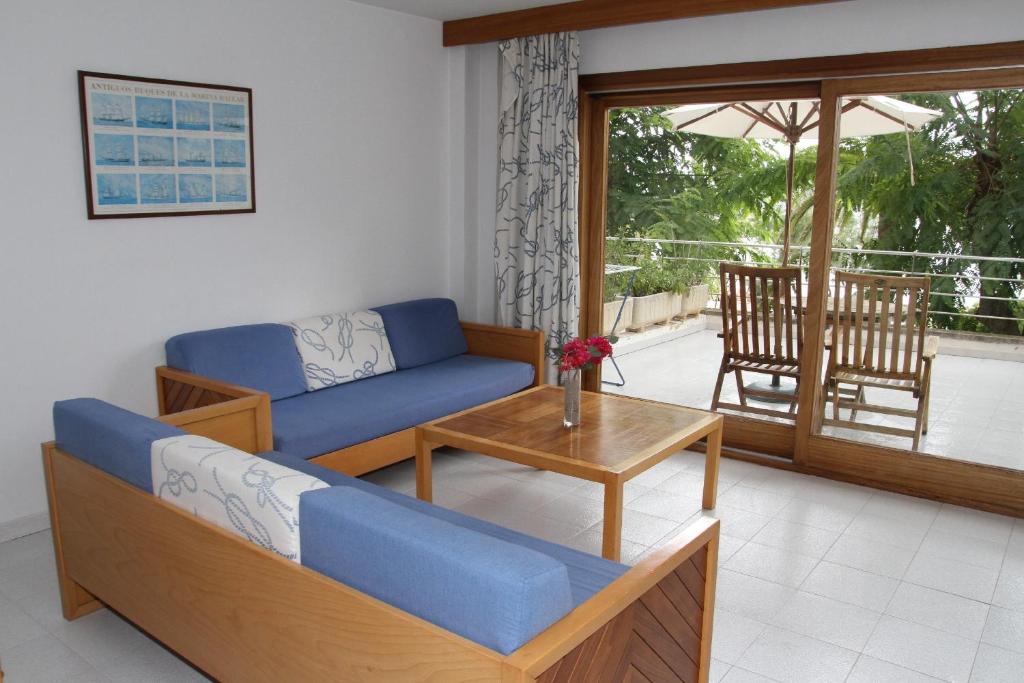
(611,309)
(656,308)
(696,299)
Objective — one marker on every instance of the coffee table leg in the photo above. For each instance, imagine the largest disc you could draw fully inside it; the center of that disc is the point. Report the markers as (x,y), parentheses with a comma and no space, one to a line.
(424,479)
(712,458)
(611,544)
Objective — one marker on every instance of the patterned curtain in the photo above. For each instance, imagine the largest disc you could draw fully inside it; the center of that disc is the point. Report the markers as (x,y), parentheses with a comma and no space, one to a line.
(536,245)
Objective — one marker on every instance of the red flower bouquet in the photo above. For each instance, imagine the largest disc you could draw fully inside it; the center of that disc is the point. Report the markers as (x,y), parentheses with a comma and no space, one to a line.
(583,354)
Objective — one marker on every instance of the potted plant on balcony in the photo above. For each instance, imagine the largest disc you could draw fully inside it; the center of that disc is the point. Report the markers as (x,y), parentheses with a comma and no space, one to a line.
(653,298)
(689,292)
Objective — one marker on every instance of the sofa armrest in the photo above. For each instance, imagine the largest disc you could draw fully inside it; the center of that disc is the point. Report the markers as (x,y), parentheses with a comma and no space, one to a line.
(234,415)
(668,600)
(509,343)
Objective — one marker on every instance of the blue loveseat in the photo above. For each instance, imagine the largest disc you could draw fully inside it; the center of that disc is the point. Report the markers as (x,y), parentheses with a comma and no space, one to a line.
(415,591)
(443,366)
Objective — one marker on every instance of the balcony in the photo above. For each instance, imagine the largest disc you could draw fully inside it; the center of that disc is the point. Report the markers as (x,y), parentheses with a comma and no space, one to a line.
(978,379)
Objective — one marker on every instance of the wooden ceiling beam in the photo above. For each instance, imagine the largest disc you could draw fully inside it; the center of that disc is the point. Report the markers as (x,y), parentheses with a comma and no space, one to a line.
(589,14)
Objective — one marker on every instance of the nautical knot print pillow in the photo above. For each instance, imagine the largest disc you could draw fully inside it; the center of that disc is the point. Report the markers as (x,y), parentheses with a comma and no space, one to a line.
(245,494)
(342,347)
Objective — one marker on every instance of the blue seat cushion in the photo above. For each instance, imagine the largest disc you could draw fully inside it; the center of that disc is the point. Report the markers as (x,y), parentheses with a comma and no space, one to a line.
(493,592)
(261,357)
(588,574)
(423,331)
(323,421)
(113,439)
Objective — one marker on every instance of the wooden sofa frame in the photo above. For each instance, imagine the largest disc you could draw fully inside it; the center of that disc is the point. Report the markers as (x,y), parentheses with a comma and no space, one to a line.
(230,416)
(241,613)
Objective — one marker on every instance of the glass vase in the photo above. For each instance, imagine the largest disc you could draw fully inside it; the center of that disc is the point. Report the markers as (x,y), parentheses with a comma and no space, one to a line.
(572,383)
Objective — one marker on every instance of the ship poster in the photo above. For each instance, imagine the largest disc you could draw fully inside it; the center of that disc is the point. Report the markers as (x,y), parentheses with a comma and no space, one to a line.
(156,147)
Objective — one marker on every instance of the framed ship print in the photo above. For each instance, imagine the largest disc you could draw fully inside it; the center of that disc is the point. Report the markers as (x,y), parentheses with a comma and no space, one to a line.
(155,147)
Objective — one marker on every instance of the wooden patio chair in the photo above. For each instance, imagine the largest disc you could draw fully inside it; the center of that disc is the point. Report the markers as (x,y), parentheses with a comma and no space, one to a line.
(878,341)
(762,332)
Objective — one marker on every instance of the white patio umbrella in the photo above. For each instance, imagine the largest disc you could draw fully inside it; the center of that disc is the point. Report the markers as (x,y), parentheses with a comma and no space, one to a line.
(796,120)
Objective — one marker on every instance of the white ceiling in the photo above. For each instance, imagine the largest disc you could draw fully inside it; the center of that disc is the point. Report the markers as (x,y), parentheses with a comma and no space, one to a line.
(446,10)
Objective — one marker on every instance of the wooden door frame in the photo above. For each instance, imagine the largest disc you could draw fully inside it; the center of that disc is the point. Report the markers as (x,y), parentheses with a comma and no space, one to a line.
(830,78)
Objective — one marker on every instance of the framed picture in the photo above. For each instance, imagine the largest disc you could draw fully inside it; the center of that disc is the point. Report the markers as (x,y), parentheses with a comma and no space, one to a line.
(155,147)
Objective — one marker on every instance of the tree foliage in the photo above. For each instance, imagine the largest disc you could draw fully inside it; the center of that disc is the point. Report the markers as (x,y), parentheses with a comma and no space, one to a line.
(966,196)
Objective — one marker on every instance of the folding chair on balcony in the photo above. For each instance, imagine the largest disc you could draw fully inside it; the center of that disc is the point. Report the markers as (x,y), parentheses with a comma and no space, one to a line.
(762,332)
(878,341)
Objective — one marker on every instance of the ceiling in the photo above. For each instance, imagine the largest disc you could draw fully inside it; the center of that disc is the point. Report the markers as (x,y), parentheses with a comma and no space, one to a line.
(446,10)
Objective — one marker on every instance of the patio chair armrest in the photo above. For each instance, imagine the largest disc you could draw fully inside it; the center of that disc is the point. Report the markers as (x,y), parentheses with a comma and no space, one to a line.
(931,348)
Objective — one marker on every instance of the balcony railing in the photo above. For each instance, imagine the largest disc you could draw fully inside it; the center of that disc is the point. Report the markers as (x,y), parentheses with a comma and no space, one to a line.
(967,280)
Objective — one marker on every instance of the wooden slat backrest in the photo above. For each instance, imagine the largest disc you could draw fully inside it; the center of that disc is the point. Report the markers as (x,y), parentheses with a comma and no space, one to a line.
(762,313)
(878,324)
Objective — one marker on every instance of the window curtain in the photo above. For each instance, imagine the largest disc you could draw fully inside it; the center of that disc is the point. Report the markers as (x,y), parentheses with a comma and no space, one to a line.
(536,241)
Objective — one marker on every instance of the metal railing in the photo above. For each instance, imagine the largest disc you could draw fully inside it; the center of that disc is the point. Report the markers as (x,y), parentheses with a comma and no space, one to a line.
(967,283)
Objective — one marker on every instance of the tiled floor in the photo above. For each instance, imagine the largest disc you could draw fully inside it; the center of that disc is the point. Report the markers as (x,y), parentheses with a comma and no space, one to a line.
(976,403)
(819,581)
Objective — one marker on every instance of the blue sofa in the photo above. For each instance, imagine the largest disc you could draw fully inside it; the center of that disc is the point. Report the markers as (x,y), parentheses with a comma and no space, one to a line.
(443,366)
(389,587)
(492,585)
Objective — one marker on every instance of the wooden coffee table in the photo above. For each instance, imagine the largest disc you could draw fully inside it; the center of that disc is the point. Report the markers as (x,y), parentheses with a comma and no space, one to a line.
(619,437)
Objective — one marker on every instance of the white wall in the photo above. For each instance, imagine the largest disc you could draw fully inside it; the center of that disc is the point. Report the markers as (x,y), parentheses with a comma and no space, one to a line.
(350,110)
(832,29)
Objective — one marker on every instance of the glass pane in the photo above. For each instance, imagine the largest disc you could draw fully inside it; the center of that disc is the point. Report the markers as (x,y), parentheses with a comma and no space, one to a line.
(691,188)
(936,195)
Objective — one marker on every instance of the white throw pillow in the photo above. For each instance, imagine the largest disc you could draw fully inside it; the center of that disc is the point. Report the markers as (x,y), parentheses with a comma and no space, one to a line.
(245,494)
(342,347)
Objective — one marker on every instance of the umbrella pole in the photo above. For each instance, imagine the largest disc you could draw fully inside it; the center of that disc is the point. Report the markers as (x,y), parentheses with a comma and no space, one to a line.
(790,170)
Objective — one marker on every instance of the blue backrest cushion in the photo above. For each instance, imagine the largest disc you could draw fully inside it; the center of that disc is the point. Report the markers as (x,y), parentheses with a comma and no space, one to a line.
(423,331)
(261,357)
(113,439)
(490,591)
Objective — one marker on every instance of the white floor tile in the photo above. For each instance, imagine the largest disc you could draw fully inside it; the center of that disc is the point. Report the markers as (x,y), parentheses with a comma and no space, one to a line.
(871,556)
(820,515)
(849,585)
(16,625)
(828,620)
(733,634)
(798,538)
(943,611)
(574,509)
(900,533)
(101,637)
(727,547)
(995,665)
(739,523)
(33,574)
(902,508)
(871,670)
(974,523)
(772,564)
(687,485)
(791,657)
(1009,590)
(25,548)
(751,597)
(753,500)
(1005,629)
(976,583)
(665,505)
(922,649)
(642,528)
(43,659)
(738,675)
(967,549)
(717,670)
(153,665)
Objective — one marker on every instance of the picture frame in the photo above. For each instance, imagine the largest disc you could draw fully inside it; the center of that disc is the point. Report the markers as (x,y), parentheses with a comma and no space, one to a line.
(158,147)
